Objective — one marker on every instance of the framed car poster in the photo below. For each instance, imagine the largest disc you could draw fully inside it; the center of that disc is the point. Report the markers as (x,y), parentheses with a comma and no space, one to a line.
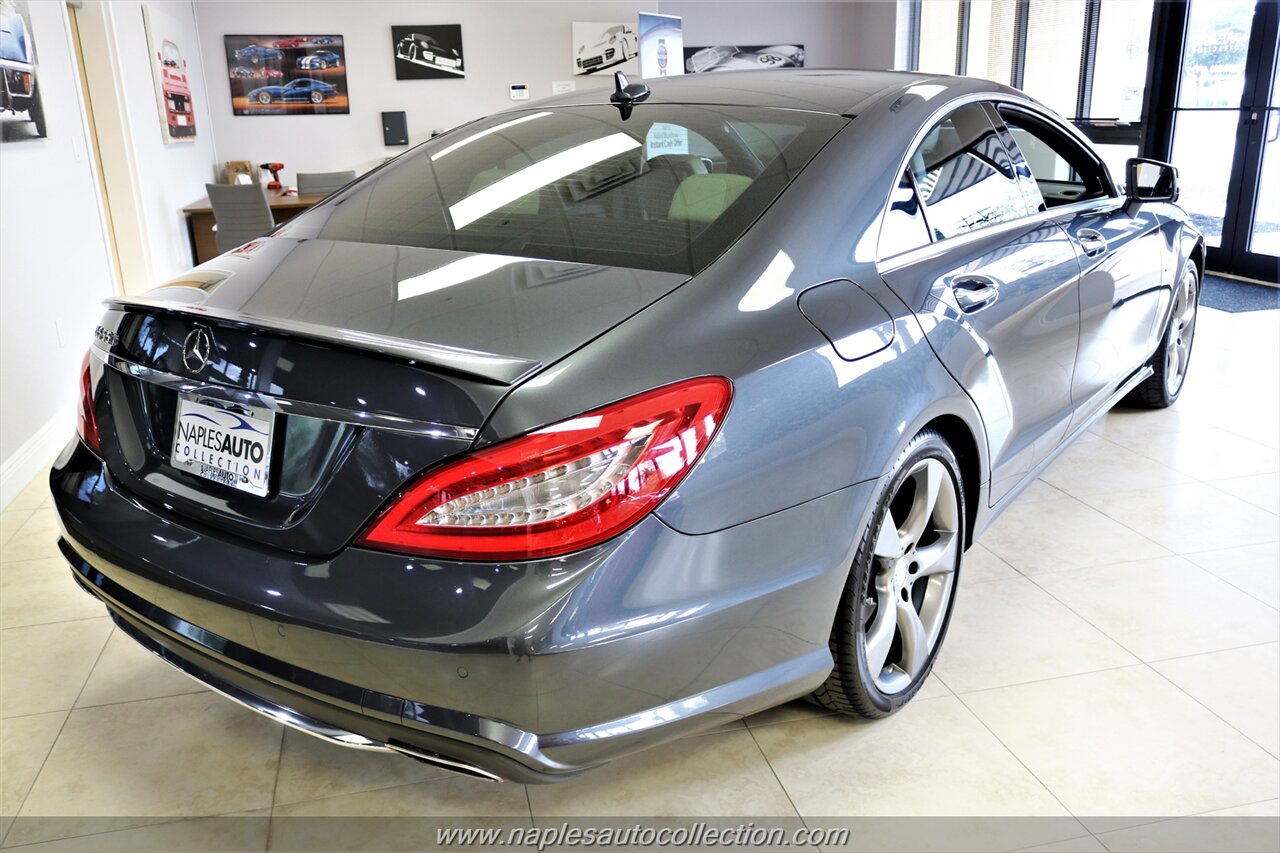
(169,72)
(605,46)
(728,57)
(287,75)
(428,52)
(23,115)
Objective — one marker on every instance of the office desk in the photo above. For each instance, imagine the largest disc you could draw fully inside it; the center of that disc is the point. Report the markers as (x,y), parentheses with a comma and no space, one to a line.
(204,240)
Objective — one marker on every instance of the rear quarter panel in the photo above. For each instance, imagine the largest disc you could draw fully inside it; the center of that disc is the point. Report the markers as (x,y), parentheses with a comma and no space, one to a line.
(804,422)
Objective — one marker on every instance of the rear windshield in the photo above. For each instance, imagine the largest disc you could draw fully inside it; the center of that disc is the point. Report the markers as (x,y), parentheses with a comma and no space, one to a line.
(668,188)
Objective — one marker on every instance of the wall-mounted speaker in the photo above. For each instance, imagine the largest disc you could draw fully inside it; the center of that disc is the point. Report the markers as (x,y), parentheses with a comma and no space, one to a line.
(395,130)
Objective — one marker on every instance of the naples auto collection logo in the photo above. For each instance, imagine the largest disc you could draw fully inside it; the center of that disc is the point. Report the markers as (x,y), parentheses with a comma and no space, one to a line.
(224,440)
(193,428)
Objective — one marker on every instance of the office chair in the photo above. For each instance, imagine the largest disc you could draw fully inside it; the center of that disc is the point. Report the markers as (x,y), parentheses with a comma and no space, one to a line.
(323,183)
(241,213)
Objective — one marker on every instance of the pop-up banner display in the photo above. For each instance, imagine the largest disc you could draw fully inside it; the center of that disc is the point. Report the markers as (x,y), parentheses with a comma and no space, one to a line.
(661,45)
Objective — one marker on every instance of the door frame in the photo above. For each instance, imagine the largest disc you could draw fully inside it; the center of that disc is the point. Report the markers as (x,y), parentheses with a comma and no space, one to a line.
(91,28)
(1251,132)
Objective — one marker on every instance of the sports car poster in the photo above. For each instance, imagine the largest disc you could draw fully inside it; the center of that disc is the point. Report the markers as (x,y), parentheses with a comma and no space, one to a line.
(21,110)
(599,47)
(169,71)
(287,75)
(728,57)
(428,52)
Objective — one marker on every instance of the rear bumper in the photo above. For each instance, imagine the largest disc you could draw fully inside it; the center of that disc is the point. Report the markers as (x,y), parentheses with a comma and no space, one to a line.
(534,672)
(206,658)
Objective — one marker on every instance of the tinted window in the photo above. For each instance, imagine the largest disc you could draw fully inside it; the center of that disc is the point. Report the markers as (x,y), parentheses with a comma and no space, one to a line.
(964,176)
(669,188)
(1062,171)
(904,226)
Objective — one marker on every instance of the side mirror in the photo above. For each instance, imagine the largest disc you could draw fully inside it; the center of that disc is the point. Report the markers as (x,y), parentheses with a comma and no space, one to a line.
(1150,180)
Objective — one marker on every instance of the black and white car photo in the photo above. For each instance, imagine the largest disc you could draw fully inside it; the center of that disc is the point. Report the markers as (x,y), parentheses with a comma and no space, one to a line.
(728,57)
(426,52)
(598,46)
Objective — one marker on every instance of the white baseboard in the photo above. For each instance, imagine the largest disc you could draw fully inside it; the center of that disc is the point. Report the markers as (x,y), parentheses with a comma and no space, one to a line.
(35,454)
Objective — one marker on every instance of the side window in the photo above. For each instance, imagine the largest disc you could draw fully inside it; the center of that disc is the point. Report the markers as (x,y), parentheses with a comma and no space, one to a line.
(1062,171)
(904,226)
(964,177)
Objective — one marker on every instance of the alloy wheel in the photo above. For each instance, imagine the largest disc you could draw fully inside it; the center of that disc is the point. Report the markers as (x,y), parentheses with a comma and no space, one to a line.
(912,577)
(1182,329)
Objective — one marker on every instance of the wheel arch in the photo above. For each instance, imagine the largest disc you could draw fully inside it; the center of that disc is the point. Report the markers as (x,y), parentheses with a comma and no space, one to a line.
(956,432)
(1197,257)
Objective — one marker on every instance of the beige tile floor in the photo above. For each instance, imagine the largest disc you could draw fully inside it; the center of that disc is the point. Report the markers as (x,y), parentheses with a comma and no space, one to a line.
(1115,652)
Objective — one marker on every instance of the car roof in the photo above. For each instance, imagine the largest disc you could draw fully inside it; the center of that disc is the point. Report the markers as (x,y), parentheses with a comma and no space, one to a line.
(828,90)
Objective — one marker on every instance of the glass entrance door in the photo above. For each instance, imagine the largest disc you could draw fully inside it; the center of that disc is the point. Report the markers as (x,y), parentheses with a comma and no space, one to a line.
(1263,227)
(1225,126)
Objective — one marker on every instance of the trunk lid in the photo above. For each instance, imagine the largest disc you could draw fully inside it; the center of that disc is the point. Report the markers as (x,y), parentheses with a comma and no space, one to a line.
(375,363)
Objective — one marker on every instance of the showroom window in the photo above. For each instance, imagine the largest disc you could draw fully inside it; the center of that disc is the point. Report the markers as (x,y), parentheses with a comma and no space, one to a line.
(939,31)
(1168,80)
(1085,59)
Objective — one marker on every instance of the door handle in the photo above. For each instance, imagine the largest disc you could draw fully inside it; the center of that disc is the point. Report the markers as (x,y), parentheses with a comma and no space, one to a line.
(1092,243)
(974,292)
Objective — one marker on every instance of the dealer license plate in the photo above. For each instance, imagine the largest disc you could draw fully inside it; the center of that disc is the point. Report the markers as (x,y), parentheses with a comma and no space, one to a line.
(228,447)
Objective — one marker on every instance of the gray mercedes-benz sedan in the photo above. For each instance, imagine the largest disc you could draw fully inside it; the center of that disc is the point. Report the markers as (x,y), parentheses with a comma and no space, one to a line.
(620,415)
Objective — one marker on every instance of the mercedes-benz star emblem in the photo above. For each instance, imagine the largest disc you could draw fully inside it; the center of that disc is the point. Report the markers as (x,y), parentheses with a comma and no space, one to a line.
(196,349)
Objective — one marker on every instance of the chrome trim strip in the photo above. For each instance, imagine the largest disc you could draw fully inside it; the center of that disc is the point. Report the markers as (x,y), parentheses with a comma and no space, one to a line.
(447,763)
(494,736)
(309,725)
(279,713)
(507,370)
(227,394)
(937,248)
(271,710)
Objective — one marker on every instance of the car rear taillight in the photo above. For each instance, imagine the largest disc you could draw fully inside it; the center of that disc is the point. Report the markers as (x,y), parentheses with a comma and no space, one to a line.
(87,426)
(562,488)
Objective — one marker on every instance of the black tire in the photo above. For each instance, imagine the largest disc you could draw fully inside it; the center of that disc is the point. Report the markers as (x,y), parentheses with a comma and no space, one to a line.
(36,112)
(851,688)
(1162,388)
(264,97)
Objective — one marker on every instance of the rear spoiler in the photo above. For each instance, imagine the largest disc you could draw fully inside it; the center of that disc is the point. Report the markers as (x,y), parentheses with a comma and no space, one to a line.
(491,367)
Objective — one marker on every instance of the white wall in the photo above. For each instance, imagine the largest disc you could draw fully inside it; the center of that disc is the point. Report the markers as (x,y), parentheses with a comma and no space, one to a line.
(504,42)
(169,176)
(54,263)
(856,34)
(54,267)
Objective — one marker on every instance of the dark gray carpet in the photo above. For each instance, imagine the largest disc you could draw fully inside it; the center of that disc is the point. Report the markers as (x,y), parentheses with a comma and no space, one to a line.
(1226,294)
